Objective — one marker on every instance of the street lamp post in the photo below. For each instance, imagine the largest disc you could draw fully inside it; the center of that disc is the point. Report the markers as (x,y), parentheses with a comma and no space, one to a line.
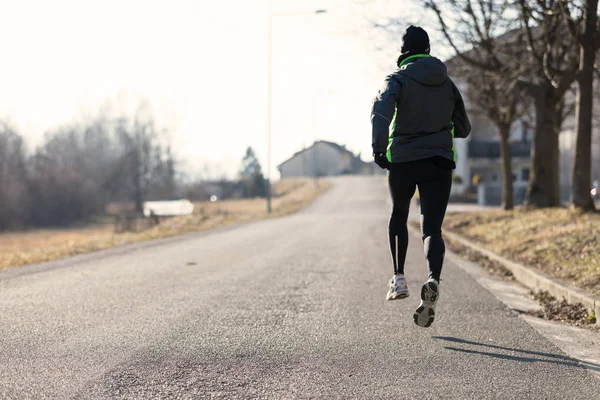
(270,87)
(269,103)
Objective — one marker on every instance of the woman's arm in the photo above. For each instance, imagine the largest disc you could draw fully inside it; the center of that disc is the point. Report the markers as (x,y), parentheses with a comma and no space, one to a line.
(460,120)
(382,112)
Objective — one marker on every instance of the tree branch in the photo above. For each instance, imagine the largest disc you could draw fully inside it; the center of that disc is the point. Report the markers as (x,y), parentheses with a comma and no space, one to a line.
(430,4)
(525,15)
(566,13)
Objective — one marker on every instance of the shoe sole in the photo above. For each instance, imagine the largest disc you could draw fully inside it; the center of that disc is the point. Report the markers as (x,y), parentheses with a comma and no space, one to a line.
(424,315)
(399,297)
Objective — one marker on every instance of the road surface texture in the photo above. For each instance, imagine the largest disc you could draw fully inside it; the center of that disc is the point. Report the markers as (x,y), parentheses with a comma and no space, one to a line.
(285,308)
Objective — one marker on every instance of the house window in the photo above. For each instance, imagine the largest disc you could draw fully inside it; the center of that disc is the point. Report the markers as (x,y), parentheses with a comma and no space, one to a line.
(525,131)
(525,174)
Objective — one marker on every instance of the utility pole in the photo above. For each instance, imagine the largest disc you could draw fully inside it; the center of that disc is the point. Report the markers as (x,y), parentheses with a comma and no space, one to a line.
(270,87)
(269,102)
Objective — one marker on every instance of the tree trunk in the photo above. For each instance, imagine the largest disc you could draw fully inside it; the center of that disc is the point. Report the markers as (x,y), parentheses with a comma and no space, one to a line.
(582,164)
(544,186)
(559,117)
(507,172)
(139,202)
(137,184)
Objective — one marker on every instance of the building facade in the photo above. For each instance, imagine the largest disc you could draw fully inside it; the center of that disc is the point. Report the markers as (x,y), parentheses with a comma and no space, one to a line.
(479,155)
(324,158)
(479,165)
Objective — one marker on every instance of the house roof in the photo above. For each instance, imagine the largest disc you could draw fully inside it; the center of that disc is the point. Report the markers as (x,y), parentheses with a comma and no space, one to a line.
(338,147)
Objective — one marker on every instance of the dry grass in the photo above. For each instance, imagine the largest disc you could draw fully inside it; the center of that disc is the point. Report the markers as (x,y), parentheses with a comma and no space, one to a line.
(20,248)
(560,242)
(559,310)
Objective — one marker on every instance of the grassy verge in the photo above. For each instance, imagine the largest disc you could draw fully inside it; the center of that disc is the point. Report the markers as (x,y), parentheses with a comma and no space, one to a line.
(19,248)
(551,308)
(561,243)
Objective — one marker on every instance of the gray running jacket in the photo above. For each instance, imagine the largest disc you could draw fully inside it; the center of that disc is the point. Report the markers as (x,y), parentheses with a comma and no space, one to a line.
(418,113)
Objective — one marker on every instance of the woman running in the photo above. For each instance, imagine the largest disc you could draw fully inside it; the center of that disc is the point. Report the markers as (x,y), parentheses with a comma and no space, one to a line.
(426,112)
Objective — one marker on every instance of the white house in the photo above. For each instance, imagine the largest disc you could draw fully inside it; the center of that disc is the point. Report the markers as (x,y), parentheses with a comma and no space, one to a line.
(480,153)
(324,158)
(567,142)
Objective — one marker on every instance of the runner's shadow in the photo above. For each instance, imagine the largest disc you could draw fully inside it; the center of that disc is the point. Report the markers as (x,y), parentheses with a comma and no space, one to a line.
(536,356)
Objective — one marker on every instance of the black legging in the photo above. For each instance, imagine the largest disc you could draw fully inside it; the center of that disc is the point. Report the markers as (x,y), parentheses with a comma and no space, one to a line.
(434,179)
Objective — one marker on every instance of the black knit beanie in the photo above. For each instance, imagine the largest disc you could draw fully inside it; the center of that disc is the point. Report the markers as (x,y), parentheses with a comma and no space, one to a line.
(415,40)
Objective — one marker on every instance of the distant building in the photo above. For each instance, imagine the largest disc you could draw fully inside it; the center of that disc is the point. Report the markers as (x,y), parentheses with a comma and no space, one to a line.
(325,159)
(567,142)
(480,153)
(479,156)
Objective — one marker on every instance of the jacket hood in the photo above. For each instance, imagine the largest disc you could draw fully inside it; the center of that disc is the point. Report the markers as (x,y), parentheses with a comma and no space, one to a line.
(427,70)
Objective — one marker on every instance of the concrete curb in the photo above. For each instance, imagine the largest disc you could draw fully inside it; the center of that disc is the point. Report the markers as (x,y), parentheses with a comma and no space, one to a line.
(533,279)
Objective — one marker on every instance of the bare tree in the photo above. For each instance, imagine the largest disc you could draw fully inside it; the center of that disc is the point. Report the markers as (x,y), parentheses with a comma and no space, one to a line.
(61,190)
(554,64)
(502,105)
(79,168)
(138,162)
(481,63)
(493,87)
(484,35)
(13,179)
(582,20)
(163,184)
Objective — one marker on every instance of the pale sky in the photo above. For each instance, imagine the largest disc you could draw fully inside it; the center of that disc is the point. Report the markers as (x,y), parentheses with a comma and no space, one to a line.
(202,66)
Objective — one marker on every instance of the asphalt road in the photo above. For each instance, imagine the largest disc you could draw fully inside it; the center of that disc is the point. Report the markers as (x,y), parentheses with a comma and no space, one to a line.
(286,308)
